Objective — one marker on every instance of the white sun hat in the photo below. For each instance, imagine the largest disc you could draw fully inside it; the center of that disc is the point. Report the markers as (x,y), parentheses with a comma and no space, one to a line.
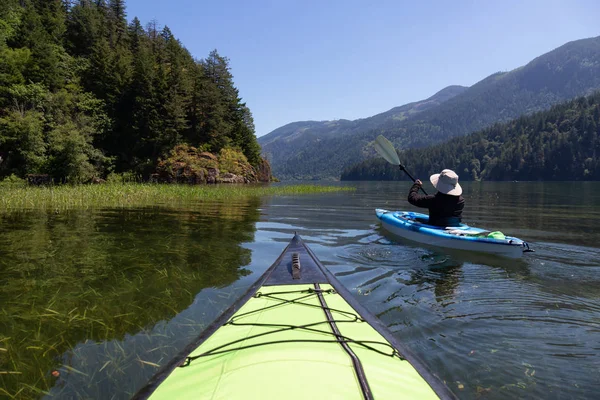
(446,182)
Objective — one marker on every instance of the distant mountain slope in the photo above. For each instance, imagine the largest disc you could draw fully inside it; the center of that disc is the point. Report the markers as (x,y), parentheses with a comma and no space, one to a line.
(289,140)
(562,143)
(327,129)
(317,152)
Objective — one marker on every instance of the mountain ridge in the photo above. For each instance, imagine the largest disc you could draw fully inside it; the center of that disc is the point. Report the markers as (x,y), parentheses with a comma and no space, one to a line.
(294,128)
(568,71)
(561,143)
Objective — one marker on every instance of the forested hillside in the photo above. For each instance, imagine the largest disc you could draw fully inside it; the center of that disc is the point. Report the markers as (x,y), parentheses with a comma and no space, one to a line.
(298,132)
(298,142)
(562,143)
(83,92)
(569,71)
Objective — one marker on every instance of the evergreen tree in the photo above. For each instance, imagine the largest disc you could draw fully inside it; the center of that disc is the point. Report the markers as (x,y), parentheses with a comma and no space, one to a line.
(140,103)
(238,125)
(559,144)
(177,92)
(118,18)
(13,61)
(79,89)
(207,113)
(44,63)
(84,26)
(53,19)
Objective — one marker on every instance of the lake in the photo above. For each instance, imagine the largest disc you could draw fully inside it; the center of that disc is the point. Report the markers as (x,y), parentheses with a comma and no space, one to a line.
(93,301)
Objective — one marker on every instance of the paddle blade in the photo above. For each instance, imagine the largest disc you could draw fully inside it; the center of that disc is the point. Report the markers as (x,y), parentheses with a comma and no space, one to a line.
(386,149)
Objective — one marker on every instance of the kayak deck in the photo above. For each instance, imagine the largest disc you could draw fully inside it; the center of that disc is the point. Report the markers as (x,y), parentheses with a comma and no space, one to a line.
(297,333)
(289,350)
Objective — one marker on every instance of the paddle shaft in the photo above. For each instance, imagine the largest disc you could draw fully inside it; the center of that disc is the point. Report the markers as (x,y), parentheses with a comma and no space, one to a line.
(411,177)
(386,149)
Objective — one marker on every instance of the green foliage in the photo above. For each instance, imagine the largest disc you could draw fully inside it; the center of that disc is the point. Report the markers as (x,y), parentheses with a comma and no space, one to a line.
(232,161)
(562,143)
(74,119)
(28,97)
(12,68)
(13,181)
(125,177)
(231,121)
(186,164)
(52,132)
(83,93)
(22,142)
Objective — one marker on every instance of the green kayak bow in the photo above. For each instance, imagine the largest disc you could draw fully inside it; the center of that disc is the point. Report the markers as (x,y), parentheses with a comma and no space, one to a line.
(297,333)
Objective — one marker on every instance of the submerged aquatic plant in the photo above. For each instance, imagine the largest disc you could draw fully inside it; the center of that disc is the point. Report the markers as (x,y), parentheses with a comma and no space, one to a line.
(91,299)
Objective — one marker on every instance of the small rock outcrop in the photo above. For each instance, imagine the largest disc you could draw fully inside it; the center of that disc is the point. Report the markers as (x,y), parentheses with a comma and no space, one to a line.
(97,181)
(264,172)
(186,164)
(228,177)
(213,175)
(208,156)
(38,179)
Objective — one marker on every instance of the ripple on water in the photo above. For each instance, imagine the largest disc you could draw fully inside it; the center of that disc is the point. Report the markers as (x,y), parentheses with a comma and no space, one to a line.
(501,325)
(491,328)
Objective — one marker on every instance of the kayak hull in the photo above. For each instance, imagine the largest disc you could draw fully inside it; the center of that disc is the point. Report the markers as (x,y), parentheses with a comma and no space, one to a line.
(407,225)
(295,333)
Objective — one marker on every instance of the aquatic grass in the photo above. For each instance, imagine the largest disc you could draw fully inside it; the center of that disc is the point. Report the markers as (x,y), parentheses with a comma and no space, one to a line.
(90,300)
(46,332)
(130,195)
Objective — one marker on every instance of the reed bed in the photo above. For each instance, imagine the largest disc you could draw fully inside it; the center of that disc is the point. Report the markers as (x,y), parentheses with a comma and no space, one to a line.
(139,195)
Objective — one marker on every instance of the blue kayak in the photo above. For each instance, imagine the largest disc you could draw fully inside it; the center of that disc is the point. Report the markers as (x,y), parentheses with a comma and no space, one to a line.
(413,226)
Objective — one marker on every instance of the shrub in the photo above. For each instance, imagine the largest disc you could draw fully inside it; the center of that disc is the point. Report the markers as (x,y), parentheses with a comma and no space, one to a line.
(186,164)
(13,181)
(125,177)
(232,161)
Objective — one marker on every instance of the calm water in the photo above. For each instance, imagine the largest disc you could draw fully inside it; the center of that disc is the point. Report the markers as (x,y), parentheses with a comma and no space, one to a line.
(101,298)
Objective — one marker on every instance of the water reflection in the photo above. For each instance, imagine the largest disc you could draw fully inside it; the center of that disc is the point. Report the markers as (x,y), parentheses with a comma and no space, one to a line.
(106,296)
(490,327)
(86,295)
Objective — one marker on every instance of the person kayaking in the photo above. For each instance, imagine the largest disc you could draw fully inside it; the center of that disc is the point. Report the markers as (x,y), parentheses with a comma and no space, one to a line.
(446,206)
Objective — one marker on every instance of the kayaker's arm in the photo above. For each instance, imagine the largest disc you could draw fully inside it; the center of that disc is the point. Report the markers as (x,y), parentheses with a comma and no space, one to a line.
(418,200)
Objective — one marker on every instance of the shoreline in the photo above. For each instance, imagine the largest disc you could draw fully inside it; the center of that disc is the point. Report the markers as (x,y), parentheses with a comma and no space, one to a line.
(125,195)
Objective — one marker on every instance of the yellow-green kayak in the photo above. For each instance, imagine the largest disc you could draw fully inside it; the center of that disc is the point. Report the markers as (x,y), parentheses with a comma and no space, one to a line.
(297,333)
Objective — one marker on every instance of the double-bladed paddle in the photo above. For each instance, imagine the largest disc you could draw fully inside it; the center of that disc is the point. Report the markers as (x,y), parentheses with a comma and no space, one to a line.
(386,149)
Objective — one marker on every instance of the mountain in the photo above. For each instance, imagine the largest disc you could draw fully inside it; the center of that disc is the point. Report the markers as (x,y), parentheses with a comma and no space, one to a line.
(330,129)
(313,150)
(562,143)
(290,141)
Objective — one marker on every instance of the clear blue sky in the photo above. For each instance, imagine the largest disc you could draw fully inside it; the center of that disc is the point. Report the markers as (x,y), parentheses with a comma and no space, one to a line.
(295,60)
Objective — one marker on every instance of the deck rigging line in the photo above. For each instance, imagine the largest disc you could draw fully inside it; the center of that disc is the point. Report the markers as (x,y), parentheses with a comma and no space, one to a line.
(306,293)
